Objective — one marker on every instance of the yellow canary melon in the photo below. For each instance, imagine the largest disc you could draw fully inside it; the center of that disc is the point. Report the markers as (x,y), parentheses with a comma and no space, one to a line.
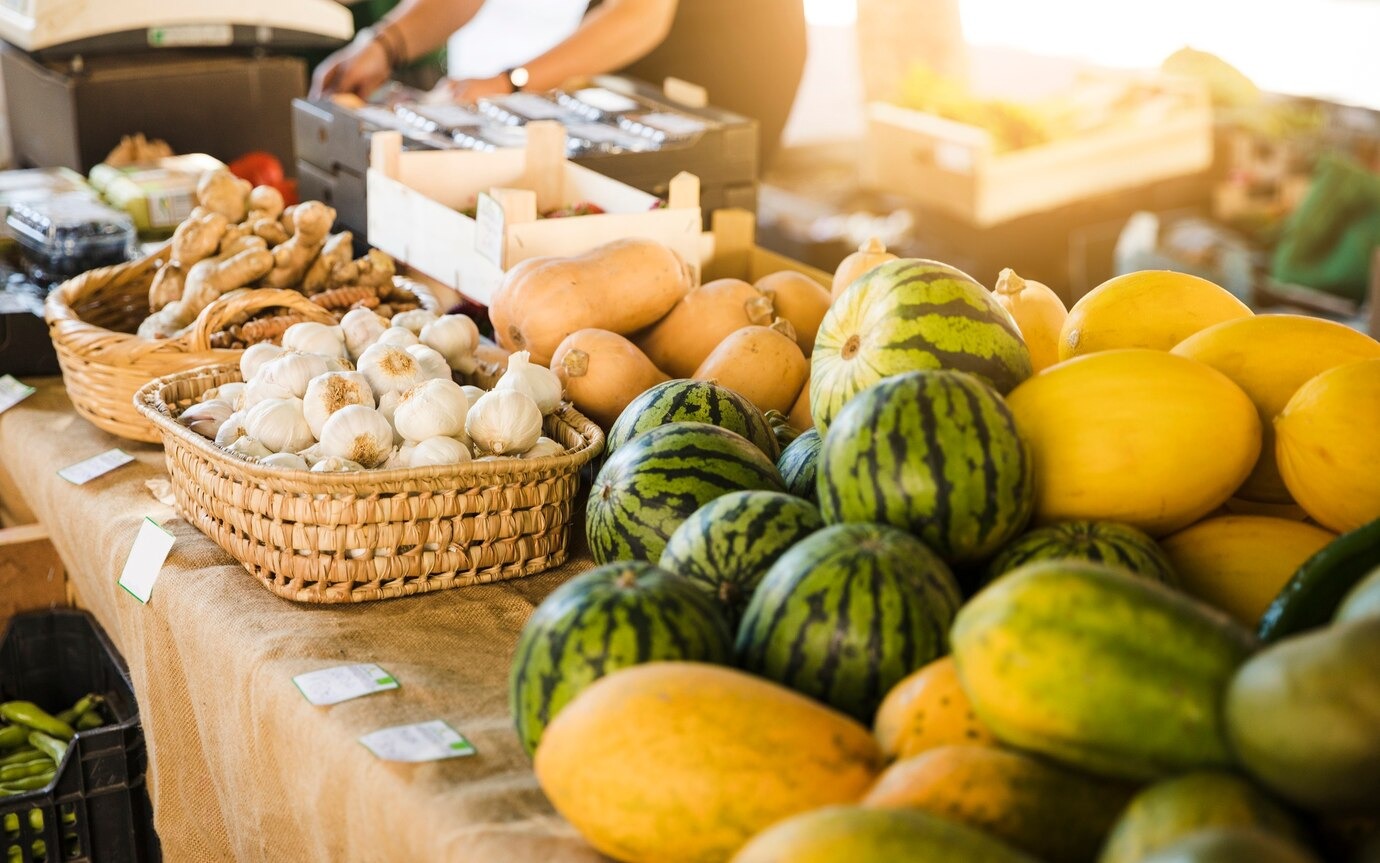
(1239,563)
(677,762)
(1327,444)
(1039,315)
(1154,309)
(1143,437)
(928,708)
(1270,357)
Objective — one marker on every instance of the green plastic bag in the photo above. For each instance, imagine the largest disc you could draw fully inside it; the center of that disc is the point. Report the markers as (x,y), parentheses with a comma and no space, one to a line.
(1328,241)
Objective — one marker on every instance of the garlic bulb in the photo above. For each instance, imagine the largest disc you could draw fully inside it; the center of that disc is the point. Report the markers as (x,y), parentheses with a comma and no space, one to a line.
(279,425)
(312,454)
(339,364)
(398,459)
(255,356)
(398,337)
(504,422)
(414,320)
(361,327)
(227,393)
(249,448)
(205,418)
(358,433)
(536,381)
(544,447)
(388,406)
(437,451)
(288,460)
(332,391)
(310,337)
(454,337)
(292,370)
(231,430)
(434,408)
(389,369)
(336,464)
(434,366)
(259,390)
(473,392)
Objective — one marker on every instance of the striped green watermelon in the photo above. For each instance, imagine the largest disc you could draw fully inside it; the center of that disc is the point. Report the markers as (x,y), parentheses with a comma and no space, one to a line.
(936,453)
(730,543)
(798,462)
(848,612)
(608,618)
(692,401)
(659,478)
(909,315)
(1105,542)
(781,428)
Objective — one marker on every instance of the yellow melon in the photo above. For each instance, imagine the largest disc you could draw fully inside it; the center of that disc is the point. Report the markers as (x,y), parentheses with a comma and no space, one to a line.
(1327,444)
(1143,437)
(1038,312)
(928,708)
(1154,309)
(1270,357)
(1238,563)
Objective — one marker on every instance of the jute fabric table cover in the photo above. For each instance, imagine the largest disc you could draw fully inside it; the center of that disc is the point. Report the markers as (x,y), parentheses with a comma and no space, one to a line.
(241,767)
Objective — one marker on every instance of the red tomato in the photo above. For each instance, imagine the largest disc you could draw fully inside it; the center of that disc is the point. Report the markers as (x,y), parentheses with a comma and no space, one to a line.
(259,168)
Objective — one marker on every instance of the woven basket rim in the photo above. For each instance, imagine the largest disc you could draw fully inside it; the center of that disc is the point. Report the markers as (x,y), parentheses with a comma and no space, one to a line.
(149,401)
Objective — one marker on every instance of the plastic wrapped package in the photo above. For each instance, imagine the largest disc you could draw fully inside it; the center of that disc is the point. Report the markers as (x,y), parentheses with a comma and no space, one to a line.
(67,235)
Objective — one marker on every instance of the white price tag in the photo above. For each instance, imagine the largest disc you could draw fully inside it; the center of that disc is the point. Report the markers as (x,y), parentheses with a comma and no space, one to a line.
(12,392)
(489,229)
(343,682)
(145,560)
(425,741)
(98,465)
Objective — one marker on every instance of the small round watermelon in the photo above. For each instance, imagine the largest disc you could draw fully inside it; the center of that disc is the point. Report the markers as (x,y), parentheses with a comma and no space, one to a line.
(781,428)
(935,453)
(730,543)
(692,401)
(909,315)
(798,463)
(608,618)
(659,478)
(1106,542)
(848,612)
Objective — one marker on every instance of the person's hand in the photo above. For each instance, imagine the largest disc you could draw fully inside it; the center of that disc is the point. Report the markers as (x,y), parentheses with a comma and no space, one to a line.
(467,91)
(359,68)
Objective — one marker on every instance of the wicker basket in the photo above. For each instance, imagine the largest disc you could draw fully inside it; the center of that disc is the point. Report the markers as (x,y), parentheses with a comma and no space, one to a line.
(358,536)
(92,321)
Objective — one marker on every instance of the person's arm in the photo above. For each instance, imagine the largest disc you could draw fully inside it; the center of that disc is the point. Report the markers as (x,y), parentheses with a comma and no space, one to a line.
(615,34)
(412,29)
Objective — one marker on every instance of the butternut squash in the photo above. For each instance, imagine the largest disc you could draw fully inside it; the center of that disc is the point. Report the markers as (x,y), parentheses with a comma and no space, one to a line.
(704,317)
(800,416)
(1039,315)
(621,287)
(601,372)
(800,300)
(870,254)
(762,364)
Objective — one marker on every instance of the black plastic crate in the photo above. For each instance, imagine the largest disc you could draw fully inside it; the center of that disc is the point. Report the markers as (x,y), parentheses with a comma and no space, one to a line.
(97,809)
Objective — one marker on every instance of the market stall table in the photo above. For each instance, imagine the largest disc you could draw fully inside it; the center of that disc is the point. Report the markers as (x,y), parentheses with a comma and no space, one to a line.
(241,767)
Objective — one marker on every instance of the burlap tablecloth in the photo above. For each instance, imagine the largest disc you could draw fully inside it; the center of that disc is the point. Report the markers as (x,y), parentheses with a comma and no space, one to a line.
(241,767)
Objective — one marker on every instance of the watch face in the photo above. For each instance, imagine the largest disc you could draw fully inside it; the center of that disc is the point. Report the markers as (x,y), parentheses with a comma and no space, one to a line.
(518,77)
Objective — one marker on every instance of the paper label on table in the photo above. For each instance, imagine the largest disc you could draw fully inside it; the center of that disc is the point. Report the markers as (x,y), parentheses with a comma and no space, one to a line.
(425,741)
(145,560)
(489,229)
(98,465)
(12,392)
(343,682)
(191,35)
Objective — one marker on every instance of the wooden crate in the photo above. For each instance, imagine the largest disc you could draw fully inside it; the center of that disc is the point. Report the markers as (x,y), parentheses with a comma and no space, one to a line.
(31,574)
(730,251)
(952,167)
(415,198)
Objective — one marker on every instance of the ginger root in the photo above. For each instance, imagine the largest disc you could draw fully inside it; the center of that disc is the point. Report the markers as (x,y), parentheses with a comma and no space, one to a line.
(242,260)
(222,192)
(265,202)
(167,286)
(271,231)
(374,270)
(291,259)
(336,253)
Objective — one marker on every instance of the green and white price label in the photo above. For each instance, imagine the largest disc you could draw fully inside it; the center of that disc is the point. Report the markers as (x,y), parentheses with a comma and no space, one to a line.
(146,560)
(425,741)
(12,392)
(343,682)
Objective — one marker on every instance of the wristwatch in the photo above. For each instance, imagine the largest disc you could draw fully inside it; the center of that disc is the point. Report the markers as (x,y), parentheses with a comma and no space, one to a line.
(517,78)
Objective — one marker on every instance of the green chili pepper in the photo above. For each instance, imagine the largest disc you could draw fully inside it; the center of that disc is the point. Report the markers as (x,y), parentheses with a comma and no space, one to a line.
(12,736)
(49,746)
(23,756)
(84,704)
(89,720)
(33,717)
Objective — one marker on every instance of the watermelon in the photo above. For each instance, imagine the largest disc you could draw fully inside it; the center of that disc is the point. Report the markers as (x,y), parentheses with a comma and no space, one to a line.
(781,428)
(692,401)
(908,315)
(609,618)
(659,478)
(1106,542)
(798,462)
(936,453)
(728,544)
(848,612)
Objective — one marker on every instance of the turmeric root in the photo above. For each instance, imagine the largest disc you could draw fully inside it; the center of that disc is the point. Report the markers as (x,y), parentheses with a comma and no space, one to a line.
(336,253)
(222,192)
(291,259)
(345,297)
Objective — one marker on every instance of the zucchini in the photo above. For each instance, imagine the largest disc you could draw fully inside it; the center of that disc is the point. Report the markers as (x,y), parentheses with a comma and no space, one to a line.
(1312,596)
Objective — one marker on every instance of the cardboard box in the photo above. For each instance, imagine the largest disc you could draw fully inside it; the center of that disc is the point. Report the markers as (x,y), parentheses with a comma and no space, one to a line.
(224,104)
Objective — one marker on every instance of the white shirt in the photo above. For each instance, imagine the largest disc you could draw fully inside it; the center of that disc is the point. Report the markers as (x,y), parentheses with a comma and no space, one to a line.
(509,33)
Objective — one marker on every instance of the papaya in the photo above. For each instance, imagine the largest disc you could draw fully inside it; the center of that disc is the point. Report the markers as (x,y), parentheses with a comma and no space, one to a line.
(1142,437)
(1239,563)
(1153,309)
(1270,357)
(1011,796)
(1098,669)
(1363,600)
(1232,845)
(850,834)
(1168,811)
(1303,714)
(928,708)
(677,761)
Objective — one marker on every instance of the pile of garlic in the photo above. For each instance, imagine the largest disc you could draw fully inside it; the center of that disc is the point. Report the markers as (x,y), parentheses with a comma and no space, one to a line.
(377,393)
